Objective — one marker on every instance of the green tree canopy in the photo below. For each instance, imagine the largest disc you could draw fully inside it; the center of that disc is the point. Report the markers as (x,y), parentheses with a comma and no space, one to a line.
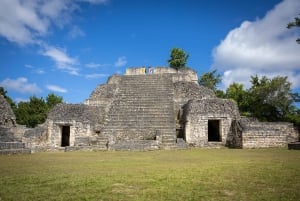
(270,99)
(178,58)
(35,111)
(236,92)
(52,100)
(210,80)
(295,23)
(32,113)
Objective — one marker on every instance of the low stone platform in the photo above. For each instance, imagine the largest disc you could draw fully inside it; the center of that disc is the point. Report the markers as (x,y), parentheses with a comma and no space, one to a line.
(15,151)
(84,148)
(13,148)
(135,145)
(294,145)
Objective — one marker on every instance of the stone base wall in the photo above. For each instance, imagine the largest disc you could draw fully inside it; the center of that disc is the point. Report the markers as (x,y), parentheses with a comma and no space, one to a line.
(135,145)
(196,131)
(187,75)
(13,148)
(268,134)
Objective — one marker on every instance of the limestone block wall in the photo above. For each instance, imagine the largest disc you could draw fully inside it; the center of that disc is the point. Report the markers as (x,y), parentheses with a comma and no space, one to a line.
(78,130)
(196,129)
(36,138)
(185,91)
(187,75)
(102,96)
(136,71)
(198,113)
(268,134)
(7,117)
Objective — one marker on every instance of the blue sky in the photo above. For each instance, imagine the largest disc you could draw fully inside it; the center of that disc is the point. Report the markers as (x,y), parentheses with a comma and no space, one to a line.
(69,47)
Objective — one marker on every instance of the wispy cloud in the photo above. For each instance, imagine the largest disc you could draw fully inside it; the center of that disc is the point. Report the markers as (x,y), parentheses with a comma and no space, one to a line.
(76,32)
(96,75)
(262,47)
(30,22)
(56,88)
(63,61)
(92,65)
(121,61)
(95,1)
(96,65)
(34,69)
(21,85)
(25,22)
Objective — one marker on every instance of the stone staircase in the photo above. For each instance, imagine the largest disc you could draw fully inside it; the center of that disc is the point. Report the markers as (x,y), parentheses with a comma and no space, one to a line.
(143,109)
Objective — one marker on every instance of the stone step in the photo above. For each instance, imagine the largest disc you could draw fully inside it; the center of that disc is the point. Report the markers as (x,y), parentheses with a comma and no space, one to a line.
(11,145)
(142,118)
(85,148)
(142,104)
(15,151)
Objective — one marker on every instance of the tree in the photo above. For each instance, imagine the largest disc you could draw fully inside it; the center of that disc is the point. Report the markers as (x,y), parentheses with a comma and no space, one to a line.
(32,113)
(52,100)
(178,58)
(35,111)
(210,80)
(237,93)
(296,23)
(270,99)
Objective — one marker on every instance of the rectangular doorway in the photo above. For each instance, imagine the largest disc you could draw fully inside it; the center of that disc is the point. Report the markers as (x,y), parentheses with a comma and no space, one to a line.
(214,134)
(65,136)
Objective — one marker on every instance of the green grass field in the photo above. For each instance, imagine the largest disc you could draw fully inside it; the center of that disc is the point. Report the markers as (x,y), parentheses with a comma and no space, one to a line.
(196,174)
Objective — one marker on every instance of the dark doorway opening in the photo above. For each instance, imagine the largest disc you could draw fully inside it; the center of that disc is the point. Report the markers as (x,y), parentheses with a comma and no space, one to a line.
(214,130)
(65,136)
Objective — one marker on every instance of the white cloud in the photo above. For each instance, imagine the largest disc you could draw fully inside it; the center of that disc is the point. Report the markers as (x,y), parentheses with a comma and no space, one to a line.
(95,65)
(25,22)
(262,47)
(96,75)
(20,84)
(28,22)
(63,61)
(122,61)
(76,32)
(39,71)
(92,65)
(19,21)
(56,88)
(95,1)
(34,69)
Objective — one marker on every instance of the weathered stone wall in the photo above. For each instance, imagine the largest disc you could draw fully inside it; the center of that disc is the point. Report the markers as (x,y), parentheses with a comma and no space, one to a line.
(77,130)
(36,138)
(136,71)
(7,116)
(8,124)
(138,111)
(186,74)
(83,121)
(197,113)
(268,134)
(185,91)
(76,112)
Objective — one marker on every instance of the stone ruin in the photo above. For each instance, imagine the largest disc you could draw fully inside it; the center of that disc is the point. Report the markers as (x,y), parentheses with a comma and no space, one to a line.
(159,109)
(10,132)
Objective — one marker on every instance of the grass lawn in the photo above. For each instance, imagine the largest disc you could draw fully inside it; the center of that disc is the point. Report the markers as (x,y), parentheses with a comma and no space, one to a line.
(196,174)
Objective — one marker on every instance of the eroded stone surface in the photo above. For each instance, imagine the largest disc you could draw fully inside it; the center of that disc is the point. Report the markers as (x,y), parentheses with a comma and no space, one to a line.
(149,109)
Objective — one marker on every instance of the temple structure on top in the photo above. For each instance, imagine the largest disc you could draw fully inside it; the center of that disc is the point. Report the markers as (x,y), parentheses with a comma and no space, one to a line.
(153,108)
